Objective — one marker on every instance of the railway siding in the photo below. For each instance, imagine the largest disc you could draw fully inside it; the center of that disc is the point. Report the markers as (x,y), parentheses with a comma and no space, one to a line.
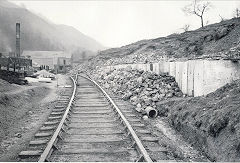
(43,136)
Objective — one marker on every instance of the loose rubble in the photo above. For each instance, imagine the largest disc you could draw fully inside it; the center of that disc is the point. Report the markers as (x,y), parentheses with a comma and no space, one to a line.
(142,89)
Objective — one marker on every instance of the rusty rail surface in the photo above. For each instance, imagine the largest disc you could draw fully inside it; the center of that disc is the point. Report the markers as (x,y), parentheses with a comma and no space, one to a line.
(138,142)
(48,150)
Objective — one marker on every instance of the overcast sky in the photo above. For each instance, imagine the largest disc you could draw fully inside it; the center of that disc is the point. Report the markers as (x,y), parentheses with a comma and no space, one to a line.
(117,23)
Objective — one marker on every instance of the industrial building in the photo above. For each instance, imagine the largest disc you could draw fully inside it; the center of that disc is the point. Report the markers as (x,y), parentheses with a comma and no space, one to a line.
(62,65)
(53,60)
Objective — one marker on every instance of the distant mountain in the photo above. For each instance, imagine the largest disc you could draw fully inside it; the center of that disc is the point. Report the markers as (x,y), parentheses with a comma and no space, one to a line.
(38,33)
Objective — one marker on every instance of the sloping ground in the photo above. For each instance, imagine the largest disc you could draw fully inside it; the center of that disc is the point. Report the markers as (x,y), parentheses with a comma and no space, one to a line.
(212,41)
(211,123)
(23,110)
(5,86)
(15,104)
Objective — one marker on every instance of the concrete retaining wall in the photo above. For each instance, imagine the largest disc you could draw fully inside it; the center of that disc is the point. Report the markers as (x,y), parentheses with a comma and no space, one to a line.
(194,77)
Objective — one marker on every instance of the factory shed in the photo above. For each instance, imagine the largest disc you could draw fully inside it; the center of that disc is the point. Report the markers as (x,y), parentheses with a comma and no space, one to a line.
(53,60)
(62,65)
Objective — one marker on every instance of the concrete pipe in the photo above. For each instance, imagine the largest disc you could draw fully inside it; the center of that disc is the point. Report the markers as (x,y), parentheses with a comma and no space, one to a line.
(151,112)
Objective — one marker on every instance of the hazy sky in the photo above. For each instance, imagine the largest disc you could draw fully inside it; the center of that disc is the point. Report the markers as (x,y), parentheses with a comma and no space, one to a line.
(117,23)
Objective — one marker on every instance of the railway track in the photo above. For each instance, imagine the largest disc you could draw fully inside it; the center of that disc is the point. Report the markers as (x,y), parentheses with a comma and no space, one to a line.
(93,128)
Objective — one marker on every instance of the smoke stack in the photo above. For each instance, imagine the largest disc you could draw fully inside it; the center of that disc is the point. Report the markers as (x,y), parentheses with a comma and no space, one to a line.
(18,39)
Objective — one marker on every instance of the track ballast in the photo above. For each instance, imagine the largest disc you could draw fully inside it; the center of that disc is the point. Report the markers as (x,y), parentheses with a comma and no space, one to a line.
(94,129)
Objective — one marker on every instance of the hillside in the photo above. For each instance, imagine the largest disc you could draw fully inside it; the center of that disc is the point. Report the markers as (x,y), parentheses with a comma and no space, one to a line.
(212,120)
(210,123)
(212,41)
(39,34)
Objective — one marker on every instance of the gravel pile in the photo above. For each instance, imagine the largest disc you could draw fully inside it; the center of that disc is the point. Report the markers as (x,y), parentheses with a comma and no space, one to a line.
(142,89)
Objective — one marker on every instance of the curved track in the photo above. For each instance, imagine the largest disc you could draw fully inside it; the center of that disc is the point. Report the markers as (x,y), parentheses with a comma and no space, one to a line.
(94,129)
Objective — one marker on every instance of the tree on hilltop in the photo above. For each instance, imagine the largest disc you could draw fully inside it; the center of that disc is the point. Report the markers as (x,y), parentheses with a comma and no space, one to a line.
(237,13)
(198,8)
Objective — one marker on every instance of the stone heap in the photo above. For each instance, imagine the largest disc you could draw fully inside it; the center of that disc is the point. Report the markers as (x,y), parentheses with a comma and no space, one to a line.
(142,89)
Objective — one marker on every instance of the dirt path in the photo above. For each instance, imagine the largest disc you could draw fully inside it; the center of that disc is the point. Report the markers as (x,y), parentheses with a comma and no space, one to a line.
(27,110)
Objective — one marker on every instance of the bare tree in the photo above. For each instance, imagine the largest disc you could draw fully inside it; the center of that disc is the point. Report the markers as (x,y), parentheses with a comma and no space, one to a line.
(198,8)
(186,27)
(222,19)
(236,13)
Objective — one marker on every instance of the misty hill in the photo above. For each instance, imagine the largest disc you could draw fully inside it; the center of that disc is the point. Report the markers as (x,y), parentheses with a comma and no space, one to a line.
(212,41)
(38,33)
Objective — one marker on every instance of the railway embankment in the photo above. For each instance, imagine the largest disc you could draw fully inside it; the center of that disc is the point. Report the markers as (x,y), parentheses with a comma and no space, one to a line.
(212,120)
(203,62)
(210,123)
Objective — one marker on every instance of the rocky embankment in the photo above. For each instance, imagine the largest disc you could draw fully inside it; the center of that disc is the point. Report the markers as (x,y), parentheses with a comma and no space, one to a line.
(142,89)
(211,123)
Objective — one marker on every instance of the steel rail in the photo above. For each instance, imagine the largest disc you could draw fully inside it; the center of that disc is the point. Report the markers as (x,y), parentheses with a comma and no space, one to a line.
(138,142)
(51,143)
